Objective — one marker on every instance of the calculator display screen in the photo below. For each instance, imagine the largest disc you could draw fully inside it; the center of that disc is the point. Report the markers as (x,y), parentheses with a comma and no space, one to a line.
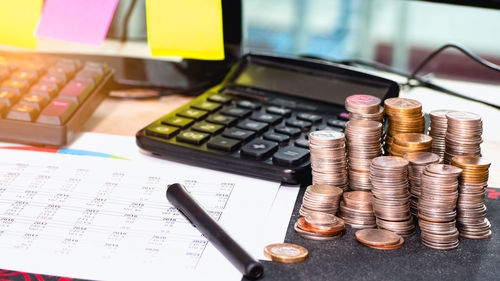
(329,87)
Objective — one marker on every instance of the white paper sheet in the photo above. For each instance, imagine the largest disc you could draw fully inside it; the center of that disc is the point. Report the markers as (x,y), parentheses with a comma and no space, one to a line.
(107,219)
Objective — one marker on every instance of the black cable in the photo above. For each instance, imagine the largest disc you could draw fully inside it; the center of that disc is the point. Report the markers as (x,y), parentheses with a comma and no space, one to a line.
(471,55)
(126,20)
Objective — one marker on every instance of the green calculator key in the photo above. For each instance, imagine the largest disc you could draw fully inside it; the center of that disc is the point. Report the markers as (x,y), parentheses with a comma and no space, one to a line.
(207,127)
(206,105)
(161,131)
(192,137)
(192,113)
(177,121)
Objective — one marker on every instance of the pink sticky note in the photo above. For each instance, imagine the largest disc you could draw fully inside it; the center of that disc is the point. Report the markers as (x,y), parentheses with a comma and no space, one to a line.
(82,21)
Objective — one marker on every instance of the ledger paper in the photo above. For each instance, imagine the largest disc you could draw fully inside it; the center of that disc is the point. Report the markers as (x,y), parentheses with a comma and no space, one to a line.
(108,219)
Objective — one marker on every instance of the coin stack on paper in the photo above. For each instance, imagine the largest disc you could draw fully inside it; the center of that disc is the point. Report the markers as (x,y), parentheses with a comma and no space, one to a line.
(409,142)
(364,138)
(388,175)
(320,198)
(320,226)
(328,158)
(463,134)
(436,206)
(418,161)
(404,116)
(379,239)
(471,211)
(364,107)
(356,209)
(437,131)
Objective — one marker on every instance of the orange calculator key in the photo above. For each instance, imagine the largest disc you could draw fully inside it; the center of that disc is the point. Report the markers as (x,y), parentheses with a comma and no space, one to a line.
(28,77)
(8,98)
(34,100)
(57,112)
(44,90)
(23,113)
(16,86)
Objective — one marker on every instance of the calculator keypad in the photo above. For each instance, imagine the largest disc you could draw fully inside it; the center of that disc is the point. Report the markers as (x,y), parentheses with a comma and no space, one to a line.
(243,128)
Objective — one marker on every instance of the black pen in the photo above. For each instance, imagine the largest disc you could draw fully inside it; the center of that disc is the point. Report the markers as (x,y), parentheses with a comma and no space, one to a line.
(180,198)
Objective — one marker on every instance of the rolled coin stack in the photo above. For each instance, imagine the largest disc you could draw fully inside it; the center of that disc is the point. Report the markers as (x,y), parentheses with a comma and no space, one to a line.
(388,175)
(404,116)
(356,209)
(409,142)
(471,211)
(436,206)
(364,107)
(364,142)
(439,122)
(320,226)
(379,239)
(328,158)
(463,134)
(320,198)
(418,161)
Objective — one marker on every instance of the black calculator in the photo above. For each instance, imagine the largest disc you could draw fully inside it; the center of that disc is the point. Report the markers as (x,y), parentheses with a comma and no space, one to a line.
(256,121)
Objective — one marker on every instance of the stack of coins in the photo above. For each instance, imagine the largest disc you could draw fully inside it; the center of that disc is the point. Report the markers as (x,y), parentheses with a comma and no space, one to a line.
(439,122)
(418,161)
(328,158)
(471,211)
(364,107)
(364,142)
(379,239)
(436,206)
(409,142)
(320,226)
(404,116)
(463,134)
(388,175)
(320,198)
(356,209)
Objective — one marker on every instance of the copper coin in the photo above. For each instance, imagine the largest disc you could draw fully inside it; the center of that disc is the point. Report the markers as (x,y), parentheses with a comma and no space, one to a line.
(286,252)
(364,104)
(377,237)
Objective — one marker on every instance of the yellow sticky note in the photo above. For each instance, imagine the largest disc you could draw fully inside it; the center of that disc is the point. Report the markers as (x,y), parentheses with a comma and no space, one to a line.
(18,21)
(185,28)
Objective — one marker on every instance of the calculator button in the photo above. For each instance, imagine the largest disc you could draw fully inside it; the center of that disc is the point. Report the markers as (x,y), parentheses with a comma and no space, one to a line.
(161,131)
(222,119)
(57,81)
(64,70)
(23,113)
(76,91)
(259,148)
(8,98)
(249,104)
(207,128)
(34,100)
(279,110)
(266,117)
(43,90)
(177,121)
(90,76)
(220,98)
(336,123)
(252,125)
(344,116)
(291,131)
(313,118)
(206,105)
(57,111)
(304,125)
(276,137)
(224,144)
(236,111)
(18,87)
(304,143)
(102,67)
(192,137)
(27,77)
(192,113)
(239,134)
(290,155)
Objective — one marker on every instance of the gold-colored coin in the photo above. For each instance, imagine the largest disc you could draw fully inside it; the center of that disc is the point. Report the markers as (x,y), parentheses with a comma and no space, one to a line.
(286,252)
